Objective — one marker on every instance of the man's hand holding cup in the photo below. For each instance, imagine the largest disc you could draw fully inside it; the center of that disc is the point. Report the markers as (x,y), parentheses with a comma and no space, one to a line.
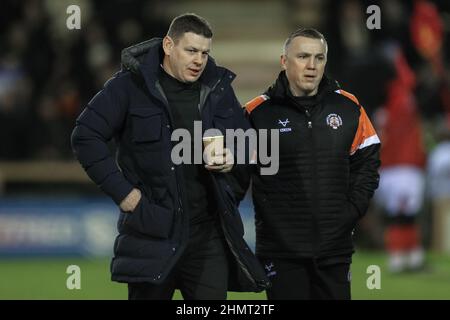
(216,157)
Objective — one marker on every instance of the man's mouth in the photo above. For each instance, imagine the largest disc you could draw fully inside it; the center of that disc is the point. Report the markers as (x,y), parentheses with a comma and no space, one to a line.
(195,71)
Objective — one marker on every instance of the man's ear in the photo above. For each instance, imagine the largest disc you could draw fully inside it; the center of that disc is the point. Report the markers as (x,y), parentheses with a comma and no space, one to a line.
(168,45)
(283,61)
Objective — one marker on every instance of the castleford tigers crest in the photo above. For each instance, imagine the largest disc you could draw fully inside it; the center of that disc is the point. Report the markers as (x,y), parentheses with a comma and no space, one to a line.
(334,120)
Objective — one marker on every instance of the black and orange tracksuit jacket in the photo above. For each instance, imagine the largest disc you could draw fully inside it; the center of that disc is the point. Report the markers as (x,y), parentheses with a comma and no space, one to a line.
(328,171)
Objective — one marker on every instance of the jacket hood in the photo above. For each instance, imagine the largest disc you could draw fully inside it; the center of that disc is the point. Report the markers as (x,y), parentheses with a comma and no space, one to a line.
(279,90)
(147,56)
(134,56)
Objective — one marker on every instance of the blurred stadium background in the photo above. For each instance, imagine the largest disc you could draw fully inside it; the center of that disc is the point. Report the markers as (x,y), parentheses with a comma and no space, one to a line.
(52,216)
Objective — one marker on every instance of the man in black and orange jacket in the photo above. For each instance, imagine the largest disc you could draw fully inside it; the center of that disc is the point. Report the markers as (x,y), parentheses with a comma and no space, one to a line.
(328,171)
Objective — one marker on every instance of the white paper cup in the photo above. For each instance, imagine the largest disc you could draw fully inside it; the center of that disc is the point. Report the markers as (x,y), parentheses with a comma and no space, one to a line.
(213,146)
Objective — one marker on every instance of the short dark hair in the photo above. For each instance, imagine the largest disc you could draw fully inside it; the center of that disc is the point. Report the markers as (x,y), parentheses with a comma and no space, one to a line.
(189,22)
(304,32)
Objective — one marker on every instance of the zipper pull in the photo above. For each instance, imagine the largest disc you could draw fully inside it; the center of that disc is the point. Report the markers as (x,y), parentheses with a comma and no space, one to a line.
(309,124)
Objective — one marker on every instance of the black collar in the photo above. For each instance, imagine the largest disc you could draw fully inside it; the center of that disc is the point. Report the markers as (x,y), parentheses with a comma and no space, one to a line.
(280,89)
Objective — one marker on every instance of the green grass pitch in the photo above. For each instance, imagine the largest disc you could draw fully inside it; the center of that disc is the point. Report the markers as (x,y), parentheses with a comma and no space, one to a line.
(43,279)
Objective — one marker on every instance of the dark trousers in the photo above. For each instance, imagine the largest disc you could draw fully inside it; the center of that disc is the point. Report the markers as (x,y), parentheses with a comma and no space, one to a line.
(304,279)
(200,274)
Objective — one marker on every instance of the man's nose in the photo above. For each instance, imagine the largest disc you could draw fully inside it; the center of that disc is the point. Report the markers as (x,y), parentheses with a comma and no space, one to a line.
(311,64)
(198,59)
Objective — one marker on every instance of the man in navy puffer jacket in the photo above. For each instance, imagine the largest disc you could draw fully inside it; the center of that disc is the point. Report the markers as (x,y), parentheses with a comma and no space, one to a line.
(179,226)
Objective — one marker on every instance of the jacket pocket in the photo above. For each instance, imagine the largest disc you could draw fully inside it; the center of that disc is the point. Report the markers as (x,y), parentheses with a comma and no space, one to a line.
(351,216)
(146,124)
(160,196)
(150,219)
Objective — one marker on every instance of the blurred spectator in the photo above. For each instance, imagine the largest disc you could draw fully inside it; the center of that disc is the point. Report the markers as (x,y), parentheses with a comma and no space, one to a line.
(401,189)
(46,138)
(15,90)
(427,35)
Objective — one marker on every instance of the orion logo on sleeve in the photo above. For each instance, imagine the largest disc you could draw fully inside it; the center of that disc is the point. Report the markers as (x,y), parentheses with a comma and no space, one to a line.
(284,124)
